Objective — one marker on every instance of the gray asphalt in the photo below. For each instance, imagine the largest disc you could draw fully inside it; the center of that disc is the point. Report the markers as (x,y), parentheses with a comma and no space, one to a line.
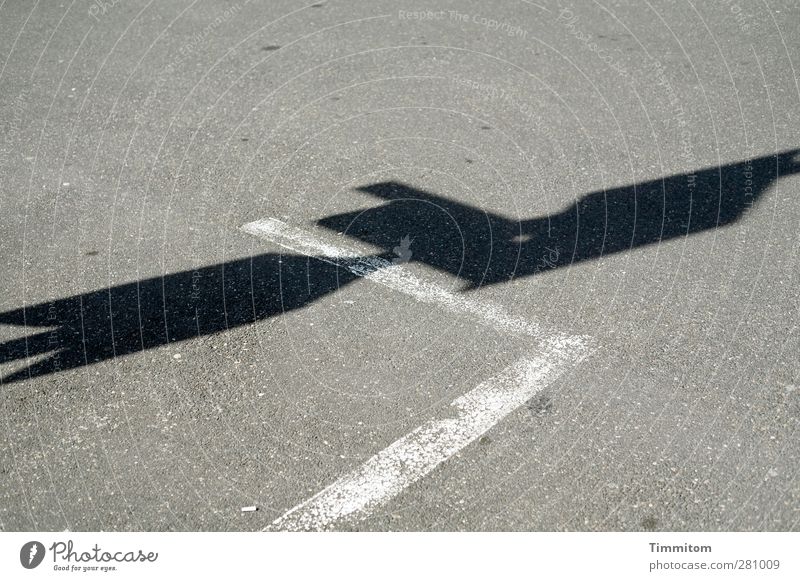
(137,137)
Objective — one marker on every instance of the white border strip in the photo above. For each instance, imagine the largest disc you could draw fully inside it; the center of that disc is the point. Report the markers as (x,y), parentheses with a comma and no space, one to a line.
(410,458)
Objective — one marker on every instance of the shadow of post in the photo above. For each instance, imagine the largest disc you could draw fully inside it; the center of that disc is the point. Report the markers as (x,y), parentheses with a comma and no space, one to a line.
(479,247)
(484,248)
(133,317)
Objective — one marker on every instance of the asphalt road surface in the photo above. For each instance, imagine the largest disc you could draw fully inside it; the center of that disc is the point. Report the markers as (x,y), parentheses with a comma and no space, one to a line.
(399,266)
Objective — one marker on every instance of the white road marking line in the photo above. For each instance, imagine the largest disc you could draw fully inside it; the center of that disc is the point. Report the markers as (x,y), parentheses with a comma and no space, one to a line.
(410,458)
(391,275)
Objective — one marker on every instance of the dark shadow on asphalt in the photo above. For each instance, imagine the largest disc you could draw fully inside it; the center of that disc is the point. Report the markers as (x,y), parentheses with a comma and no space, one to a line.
(483,248)
(156,311)
(480,248)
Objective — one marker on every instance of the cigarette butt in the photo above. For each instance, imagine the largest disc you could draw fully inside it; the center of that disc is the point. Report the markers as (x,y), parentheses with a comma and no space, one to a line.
(249,508)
